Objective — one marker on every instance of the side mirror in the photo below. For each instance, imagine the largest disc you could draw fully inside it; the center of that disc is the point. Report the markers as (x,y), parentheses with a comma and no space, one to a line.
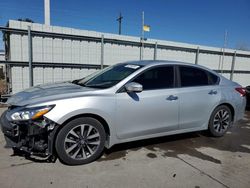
(133,87)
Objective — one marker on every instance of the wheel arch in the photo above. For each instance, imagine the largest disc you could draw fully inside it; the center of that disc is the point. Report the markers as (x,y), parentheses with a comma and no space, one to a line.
(95,116)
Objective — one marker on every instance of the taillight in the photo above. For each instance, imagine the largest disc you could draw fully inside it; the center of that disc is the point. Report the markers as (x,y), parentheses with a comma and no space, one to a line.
(241,90)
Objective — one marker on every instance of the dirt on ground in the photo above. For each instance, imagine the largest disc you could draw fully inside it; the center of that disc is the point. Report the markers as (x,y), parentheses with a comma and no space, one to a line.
(3,87)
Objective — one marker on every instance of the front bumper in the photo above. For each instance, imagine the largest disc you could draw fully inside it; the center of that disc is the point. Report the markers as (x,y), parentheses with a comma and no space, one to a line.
(29,136)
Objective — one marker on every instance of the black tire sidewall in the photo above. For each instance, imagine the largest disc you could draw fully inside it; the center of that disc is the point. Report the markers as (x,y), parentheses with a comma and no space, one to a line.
(59,143)
(211,126)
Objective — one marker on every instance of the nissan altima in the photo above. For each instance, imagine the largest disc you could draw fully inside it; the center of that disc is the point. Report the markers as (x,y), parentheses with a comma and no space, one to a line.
(121,103)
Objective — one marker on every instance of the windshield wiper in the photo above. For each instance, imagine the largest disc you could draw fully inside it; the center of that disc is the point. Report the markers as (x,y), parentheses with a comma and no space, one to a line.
(99,85)
(76,81)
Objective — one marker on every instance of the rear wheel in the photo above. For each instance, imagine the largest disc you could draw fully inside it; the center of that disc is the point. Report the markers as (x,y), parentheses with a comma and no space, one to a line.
(220,121)
(80,141)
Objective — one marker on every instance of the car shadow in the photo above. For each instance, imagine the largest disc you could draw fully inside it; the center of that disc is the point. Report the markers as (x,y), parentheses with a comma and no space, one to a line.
(236,140)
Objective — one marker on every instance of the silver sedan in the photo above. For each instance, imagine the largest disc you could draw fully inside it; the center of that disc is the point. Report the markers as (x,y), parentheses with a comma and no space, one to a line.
(125,102)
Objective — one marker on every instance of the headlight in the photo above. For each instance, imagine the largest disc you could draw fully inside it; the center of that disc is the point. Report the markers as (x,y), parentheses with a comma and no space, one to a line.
(31,113)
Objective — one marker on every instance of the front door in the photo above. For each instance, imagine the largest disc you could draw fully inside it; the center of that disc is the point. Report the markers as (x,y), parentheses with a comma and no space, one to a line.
(154,110)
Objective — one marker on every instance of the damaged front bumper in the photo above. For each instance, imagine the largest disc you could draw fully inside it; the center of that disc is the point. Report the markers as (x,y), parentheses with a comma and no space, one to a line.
(34,137)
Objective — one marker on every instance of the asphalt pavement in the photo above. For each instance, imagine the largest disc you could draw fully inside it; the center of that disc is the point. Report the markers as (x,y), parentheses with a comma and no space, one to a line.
(186,160)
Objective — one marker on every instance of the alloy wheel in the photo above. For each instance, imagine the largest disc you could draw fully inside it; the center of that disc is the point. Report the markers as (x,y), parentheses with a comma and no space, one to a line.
(221,121)
(82,142)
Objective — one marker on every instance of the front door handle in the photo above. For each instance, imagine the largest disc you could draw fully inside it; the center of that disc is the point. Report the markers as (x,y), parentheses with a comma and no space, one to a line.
(212,92)
(172,98)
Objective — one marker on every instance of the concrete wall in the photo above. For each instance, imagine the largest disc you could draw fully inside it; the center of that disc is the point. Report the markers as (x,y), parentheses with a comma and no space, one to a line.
(72,51)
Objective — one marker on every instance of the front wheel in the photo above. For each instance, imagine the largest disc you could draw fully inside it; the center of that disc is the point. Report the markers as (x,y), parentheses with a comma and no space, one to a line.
(220,121)
(80,141)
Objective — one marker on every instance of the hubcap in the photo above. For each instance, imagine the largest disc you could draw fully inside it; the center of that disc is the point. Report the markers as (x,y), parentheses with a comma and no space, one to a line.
(82,141)
(221,121)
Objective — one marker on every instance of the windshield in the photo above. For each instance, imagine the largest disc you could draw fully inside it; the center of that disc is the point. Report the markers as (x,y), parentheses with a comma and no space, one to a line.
(109,76)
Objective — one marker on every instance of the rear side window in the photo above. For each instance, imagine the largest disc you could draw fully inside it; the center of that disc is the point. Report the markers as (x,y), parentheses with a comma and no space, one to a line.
(213,79)
(191,76)
(157,78)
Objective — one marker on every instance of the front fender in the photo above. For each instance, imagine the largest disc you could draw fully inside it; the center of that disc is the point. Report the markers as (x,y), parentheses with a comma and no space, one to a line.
(78,112)
(103,106)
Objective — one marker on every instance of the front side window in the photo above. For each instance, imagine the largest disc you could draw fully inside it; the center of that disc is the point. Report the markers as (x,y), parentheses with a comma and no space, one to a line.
(157,78)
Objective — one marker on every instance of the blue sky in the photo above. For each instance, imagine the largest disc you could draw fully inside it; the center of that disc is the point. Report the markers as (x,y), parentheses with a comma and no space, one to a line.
(192,21)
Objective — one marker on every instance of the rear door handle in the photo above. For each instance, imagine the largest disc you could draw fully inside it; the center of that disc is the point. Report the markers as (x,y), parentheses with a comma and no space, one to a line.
(212,92)
(172,98)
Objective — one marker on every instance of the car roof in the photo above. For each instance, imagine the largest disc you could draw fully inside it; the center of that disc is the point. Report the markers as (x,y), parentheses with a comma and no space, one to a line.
(153,62)
(166,62)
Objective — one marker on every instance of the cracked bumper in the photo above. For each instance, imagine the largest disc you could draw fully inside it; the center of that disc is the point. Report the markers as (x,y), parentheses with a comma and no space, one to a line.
(28,136)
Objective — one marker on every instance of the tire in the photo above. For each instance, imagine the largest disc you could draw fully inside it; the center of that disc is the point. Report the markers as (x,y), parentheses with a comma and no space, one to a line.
(220,121)
(80,141)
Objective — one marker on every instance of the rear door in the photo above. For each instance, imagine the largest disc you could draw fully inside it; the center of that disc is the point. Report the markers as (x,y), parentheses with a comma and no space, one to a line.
(199,93)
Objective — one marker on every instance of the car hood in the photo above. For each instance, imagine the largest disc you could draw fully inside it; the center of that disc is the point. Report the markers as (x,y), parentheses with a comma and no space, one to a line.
(47,92)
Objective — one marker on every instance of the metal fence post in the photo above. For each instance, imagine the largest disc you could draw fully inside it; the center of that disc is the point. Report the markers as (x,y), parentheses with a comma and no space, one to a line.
(102,51)
(197,56)
(141,50)
(155,51)
(30,56)
(232,67)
